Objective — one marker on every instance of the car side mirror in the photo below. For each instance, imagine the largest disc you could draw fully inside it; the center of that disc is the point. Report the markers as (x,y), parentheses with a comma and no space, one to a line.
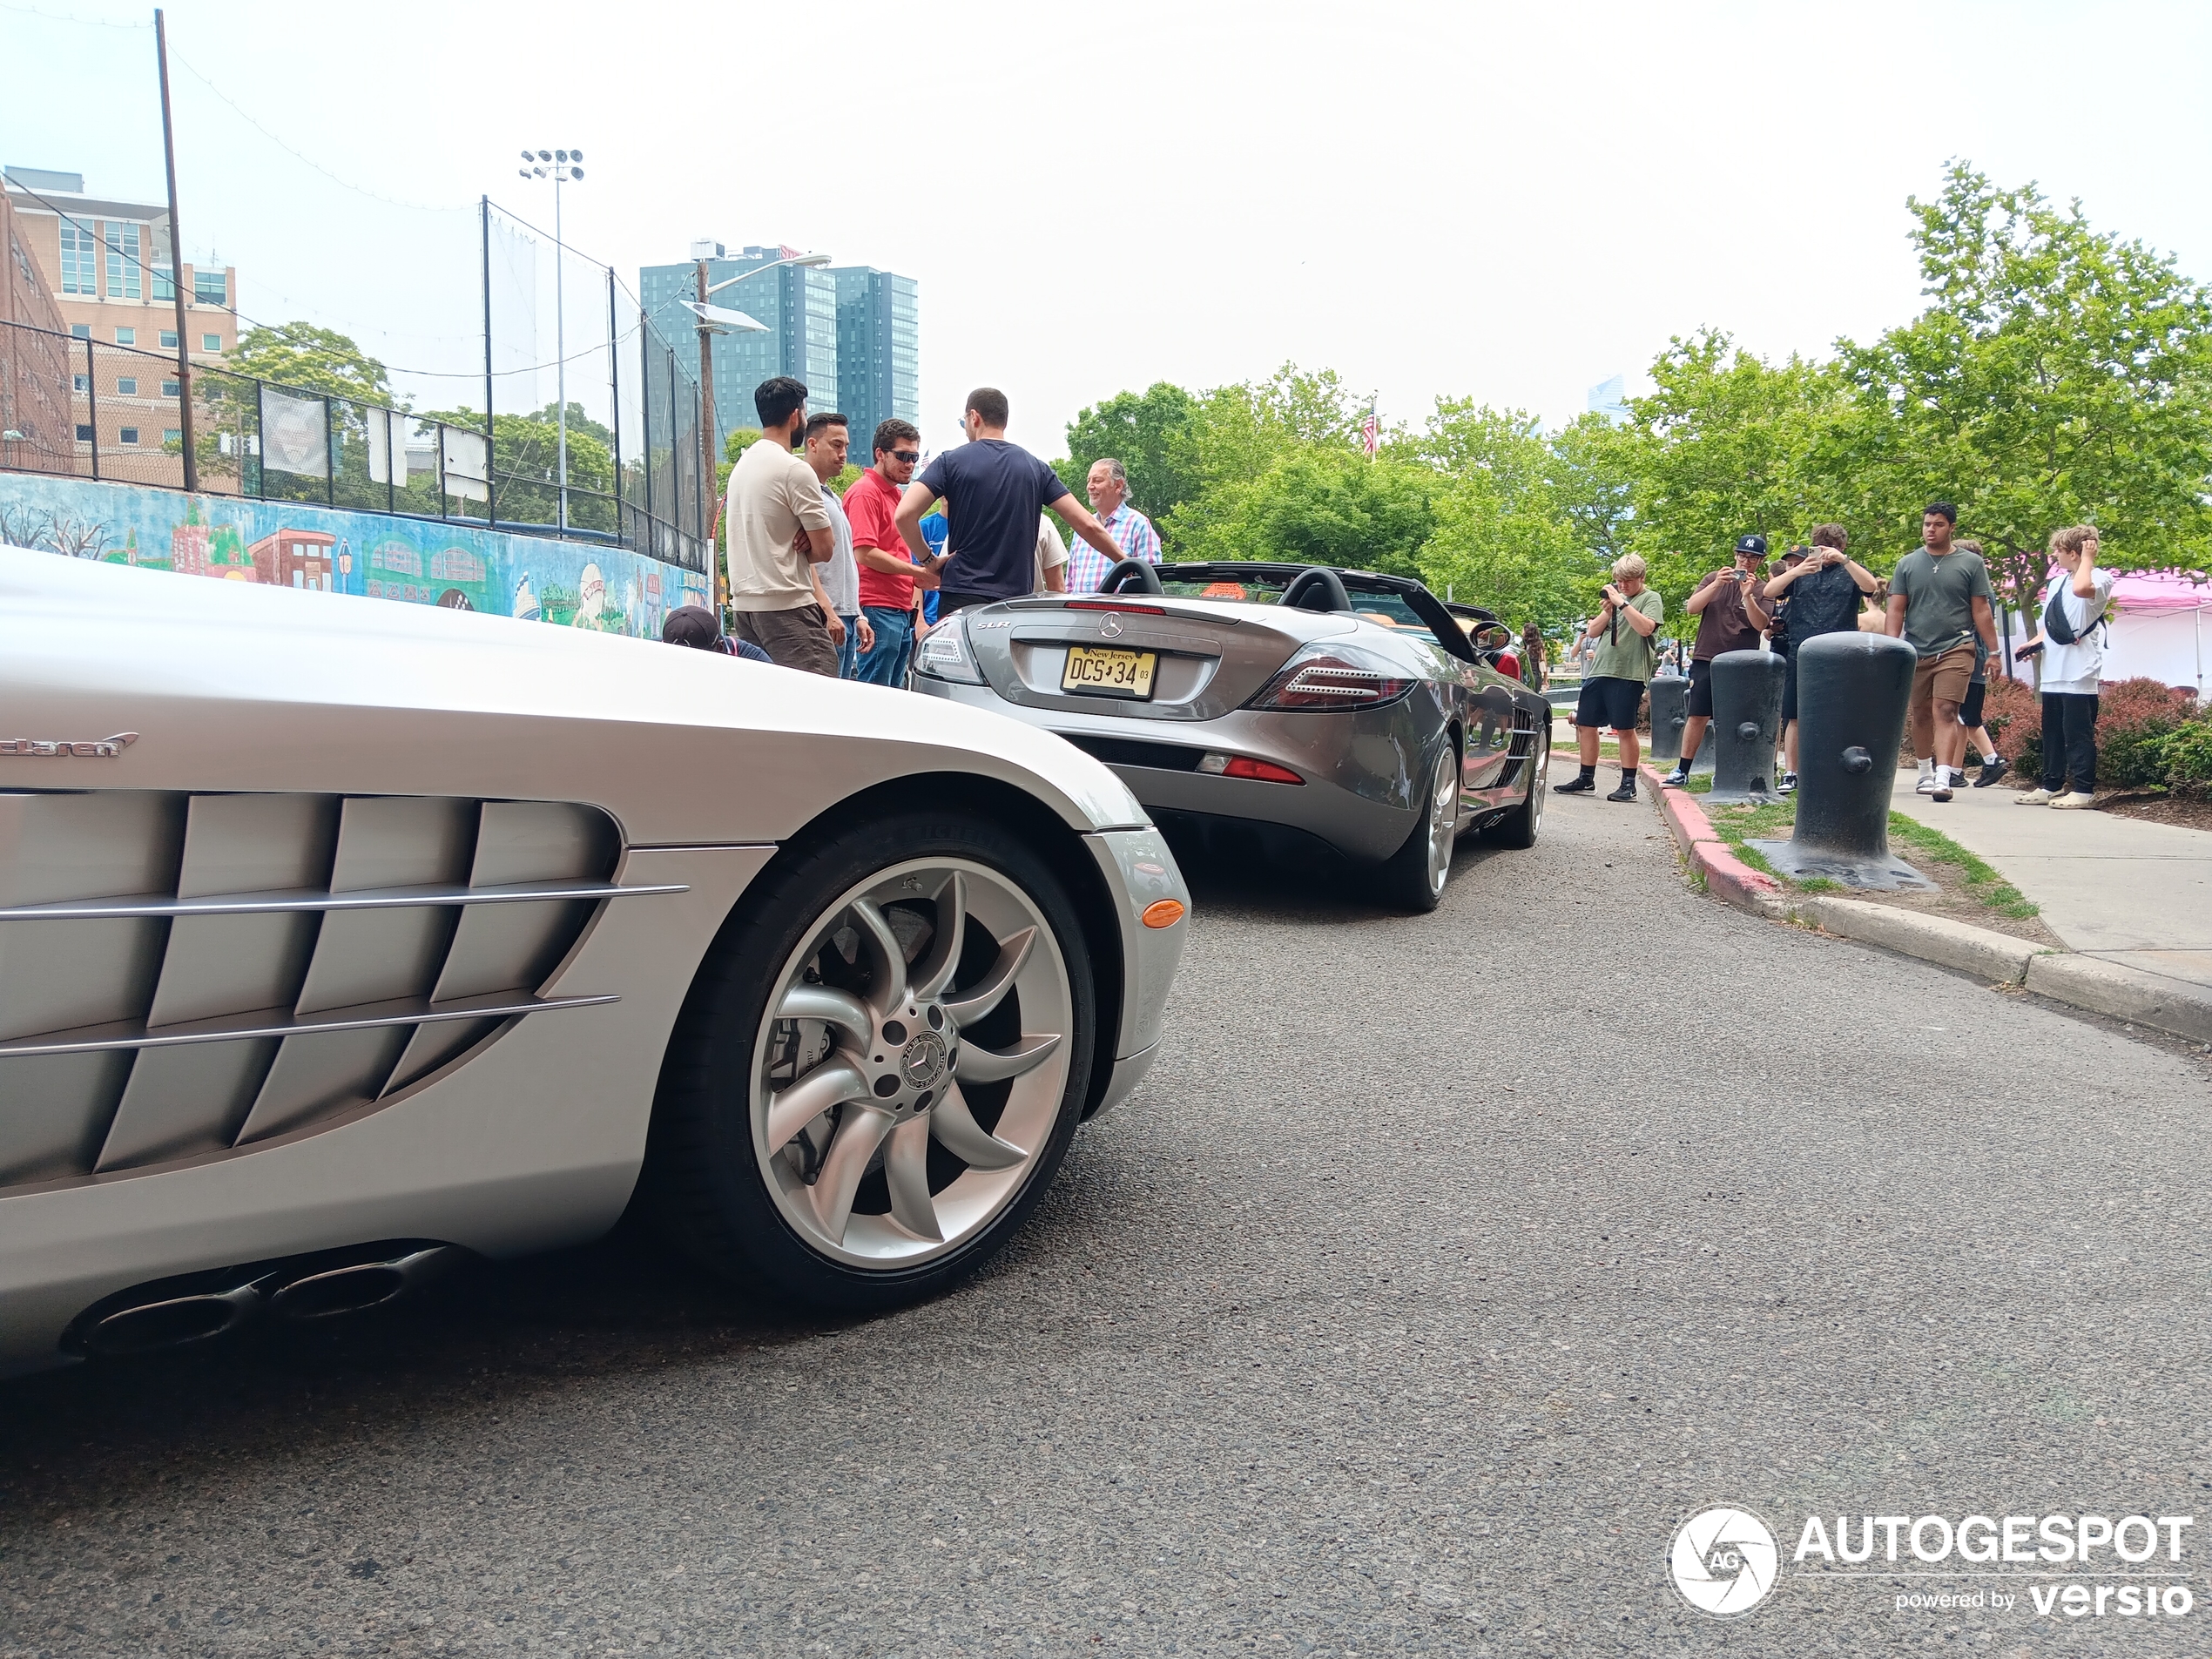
(1491,635)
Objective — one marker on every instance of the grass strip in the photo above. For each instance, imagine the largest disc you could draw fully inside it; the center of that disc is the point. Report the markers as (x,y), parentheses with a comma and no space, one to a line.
(1773,820)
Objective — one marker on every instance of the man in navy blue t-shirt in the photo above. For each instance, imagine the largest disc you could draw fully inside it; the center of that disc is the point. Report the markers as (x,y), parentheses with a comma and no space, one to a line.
(993,490)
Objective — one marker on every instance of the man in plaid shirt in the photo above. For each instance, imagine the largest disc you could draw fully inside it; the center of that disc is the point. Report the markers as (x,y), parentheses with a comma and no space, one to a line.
(1107,487)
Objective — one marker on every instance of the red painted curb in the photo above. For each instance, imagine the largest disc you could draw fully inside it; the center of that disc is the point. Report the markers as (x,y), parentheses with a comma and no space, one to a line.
(1726,874)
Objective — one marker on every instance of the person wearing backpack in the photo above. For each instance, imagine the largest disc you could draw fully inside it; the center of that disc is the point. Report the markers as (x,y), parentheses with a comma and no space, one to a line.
(2072,642)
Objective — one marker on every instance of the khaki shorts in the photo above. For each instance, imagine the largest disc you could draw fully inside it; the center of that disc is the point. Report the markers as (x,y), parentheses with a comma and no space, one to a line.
(1944,678)
(792,638)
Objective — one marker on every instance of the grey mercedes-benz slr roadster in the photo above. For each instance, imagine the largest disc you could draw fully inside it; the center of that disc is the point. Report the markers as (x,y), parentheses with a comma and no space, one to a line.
(1350,705)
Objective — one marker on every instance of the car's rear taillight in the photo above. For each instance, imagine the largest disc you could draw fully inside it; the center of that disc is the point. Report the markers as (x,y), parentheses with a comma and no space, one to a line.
(1321,678)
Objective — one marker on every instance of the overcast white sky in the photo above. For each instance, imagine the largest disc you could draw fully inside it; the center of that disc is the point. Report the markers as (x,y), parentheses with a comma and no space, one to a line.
(1505,201)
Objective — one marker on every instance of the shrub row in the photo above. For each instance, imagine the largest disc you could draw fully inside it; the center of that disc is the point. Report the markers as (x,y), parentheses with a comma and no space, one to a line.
(2148,735)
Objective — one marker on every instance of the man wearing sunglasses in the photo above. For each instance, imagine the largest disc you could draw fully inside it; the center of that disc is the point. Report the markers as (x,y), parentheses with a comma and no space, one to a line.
(888,576)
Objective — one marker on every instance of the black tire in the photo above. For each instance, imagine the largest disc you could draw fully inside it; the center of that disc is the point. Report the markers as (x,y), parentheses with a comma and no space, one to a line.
(1409,879)
(703,1187)
(1518,828)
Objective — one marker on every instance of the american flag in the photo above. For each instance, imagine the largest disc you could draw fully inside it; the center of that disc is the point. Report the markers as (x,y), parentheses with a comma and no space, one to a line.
(1369,433)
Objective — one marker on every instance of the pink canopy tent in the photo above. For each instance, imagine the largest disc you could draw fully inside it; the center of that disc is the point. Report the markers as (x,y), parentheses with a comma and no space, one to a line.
(2158,629)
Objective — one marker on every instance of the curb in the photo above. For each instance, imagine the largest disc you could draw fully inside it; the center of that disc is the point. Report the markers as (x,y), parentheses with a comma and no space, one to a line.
(1726,874)
(2089,982)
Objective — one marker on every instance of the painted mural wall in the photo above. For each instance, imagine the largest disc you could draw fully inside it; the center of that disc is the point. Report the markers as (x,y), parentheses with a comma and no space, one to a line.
(571,585)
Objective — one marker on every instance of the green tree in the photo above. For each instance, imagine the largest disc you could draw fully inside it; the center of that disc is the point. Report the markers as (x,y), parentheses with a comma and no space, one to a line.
(526,469)
(1721,447)
(2059,375)
(307,359)
(1321,505)
(1148,433)
(1503,535)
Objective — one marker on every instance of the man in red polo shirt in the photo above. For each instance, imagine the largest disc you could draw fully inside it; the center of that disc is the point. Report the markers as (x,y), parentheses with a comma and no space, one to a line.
(888,576)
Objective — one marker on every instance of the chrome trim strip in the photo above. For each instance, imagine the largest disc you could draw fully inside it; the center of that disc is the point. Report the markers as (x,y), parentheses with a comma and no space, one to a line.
(300,899)
(281,1022)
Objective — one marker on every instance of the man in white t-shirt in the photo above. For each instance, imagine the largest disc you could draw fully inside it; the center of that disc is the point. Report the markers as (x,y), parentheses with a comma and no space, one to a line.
(837,584)
(780,528)
(2074,601)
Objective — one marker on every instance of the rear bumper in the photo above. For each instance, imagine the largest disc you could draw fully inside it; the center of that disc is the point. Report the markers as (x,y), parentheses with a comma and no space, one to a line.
(1360,769)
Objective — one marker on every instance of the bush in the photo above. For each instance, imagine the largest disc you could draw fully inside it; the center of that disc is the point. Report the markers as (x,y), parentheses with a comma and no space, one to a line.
(2134,717)
(2014,716)
(2186,753)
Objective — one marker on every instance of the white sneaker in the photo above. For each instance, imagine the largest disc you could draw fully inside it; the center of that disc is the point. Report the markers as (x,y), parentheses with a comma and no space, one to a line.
(2072,800)
(1927,781)
(2033,798)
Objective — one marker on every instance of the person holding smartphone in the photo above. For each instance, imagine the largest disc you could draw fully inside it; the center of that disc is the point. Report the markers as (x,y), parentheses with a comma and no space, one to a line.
(1731,616)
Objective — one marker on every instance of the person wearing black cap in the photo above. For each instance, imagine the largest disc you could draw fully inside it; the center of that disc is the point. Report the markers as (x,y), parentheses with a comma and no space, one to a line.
(694,625)
(1728,615)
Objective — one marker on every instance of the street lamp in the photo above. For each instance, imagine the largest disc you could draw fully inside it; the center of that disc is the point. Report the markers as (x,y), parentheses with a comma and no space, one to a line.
(714,320)
(559,166)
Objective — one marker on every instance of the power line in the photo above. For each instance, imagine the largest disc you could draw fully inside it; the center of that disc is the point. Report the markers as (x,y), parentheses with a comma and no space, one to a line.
(390,201)
(70,17)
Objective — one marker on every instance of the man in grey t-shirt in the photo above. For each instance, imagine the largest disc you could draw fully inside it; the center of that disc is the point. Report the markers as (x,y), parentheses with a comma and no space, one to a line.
(1939,603)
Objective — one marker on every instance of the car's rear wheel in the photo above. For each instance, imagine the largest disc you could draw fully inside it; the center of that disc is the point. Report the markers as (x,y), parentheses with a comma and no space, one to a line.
(1412,877)
(1519,827)
(879,1067)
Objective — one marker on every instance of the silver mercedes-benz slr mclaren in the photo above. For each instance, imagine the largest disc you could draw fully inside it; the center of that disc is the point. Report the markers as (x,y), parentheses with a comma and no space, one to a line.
(1352,707)
(340,938)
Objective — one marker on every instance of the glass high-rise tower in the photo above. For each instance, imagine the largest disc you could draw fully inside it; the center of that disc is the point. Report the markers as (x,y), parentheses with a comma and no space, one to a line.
(879,351)
(850,334)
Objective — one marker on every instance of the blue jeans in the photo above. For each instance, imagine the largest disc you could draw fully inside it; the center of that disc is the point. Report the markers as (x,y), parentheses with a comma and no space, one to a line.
(848,654)
(894,644)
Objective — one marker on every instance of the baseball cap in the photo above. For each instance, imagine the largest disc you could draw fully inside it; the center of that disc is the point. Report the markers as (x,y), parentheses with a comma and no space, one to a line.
(1796,553)
(1752,544)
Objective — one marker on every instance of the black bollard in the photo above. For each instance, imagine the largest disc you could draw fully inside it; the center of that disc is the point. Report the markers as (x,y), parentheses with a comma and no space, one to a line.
(1669,700)
(1747,721)
(1853,692)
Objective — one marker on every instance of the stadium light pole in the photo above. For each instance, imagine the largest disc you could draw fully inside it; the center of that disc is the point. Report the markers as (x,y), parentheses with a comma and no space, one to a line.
(560,167)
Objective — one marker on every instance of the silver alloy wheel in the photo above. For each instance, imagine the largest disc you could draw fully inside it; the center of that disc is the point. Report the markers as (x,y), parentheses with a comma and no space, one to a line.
(1443,818)
(862,1077)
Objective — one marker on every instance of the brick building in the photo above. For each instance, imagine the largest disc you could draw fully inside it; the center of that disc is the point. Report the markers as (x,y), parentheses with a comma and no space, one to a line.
(113,273)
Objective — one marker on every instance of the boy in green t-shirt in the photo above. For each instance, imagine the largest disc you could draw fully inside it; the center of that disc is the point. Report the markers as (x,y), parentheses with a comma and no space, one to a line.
(1622,635)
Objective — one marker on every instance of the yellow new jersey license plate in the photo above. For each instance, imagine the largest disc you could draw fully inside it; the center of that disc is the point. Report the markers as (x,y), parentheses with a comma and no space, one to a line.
(1109,673)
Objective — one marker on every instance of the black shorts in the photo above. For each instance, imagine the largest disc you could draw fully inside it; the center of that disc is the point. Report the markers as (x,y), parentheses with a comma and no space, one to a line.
(1789,689)
(1701,689)
(1970,710)
(1606,701)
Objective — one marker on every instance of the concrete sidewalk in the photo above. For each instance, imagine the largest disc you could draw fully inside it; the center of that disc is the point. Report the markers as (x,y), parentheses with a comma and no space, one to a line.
(2129,892)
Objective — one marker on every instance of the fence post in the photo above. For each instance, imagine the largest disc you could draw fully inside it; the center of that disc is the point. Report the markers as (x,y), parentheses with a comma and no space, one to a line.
(614,402)
(330,458)
(491,491)
(92,402)
(645,404)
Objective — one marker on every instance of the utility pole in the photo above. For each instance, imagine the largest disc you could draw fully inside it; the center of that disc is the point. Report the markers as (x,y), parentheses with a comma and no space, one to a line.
(710,495)
(176,262)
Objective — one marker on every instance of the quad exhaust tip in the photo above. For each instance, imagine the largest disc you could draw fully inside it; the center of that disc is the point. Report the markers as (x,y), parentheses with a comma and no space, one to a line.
(171,1314)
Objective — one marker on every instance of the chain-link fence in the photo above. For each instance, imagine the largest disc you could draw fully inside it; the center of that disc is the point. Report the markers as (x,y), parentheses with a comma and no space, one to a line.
(594,433)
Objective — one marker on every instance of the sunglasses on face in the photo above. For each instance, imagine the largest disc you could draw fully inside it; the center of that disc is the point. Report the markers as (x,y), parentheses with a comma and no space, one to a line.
(909,456)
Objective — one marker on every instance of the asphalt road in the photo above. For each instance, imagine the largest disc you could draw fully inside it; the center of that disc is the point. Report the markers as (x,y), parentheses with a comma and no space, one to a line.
(1441,1269)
